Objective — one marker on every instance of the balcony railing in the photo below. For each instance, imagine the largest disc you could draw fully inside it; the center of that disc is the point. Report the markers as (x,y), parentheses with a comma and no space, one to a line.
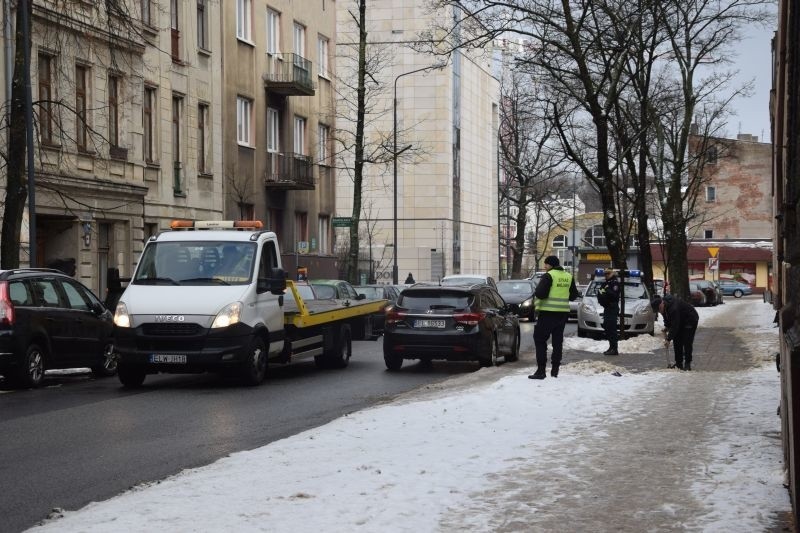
(288,170)
(289,75)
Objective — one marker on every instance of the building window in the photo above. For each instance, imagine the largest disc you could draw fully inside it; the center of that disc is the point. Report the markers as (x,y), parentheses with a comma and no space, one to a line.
(46,98)
(560,241)
(275,223)
(711,193)
(273,32)
(299,39)
(708,234)
(246,211)
(203,139)
(174,22)
(177,119)
(322,52)
(300,226)
(273,129)
(149,125)
(299,135)
(113,110)
(202,24)
(243,121)
(711,155)
(595,237)
(243,19)
(81,94)
(322,144)
(323,232)
(147,12)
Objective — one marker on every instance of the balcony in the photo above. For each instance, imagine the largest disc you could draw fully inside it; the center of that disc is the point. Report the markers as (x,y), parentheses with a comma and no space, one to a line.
(289,75)
(288,171)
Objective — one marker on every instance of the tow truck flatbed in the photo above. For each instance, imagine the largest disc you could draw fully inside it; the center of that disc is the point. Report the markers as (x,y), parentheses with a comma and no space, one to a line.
(302,313)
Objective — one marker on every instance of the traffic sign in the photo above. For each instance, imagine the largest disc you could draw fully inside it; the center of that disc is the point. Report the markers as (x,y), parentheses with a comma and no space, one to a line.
(713,263)
(713,251)
(342,222)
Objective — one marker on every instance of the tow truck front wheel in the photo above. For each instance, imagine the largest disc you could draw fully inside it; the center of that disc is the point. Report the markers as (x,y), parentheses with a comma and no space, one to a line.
(254,368)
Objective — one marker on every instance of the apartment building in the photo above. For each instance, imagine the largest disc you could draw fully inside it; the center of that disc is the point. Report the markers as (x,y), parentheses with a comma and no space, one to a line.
(447,180)
(278,123)
(126,111)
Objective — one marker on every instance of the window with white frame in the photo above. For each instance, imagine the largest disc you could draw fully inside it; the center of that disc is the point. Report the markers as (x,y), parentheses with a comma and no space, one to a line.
(243,19)
(202,24)
(595,237)
(300,40)
(560,241)
(322,53)
(149,121)
(322,145)
(203,139)
(323,232)
(244,109)
(711,193)
(273,129)
(299,135)
(708,234)
(273,32)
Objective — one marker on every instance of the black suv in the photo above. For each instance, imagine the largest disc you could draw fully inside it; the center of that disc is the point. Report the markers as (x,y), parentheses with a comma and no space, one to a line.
(49,320)
(456,323)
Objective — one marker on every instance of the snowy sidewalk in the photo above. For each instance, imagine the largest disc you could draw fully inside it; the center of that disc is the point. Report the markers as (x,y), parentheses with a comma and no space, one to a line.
(491,451)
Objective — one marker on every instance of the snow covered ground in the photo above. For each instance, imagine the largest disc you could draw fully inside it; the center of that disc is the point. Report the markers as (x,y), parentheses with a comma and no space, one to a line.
(589,450)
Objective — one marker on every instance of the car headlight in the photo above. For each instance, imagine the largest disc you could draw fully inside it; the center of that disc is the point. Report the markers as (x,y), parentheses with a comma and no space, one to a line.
(121,317)
(588,307)
(228,316)
(527,303)
(643,310)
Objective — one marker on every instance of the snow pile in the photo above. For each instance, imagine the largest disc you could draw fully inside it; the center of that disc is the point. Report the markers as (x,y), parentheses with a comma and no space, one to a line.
(589,368)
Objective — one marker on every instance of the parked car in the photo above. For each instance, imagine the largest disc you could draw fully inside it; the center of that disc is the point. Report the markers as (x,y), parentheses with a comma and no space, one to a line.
(576,303)
(518,294)
(719,291)
(305,289)
(639,316)
(468,279)
(378,292)
(455,323)
(709,291)
(737,289)
(49,320)
(536,277)
(696,296)
(338,289)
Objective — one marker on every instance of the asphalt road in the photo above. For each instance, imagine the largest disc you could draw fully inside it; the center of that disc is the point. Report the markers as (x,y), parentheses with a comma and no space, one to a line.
(79,439)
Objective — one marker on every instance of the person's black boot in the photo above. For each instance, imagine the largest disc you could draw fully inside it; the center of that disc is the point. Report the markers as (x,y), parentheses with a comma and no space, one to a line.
(554,371)
(679,366)
(687,366)
(611,351)
(539,374)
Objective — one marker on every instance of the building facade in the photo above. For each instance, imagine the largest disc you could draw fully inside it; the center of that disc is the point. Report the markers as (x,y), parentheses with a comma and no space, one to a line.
(278,123)
(446,168)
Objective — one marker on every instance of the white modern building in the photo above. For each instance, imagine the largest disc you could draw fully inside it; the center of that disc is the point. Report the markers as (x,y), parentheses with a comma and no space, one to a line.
(447,172)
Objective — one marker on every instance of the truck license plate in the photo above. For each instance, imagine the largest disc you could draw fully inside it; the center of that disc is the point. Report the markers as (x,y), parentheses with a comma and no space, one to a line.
(169,358)
(429,323)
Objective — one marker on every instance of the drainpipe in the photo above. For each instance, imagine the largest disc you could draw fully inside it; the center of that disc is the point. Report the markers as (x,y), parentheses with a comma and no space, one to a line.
(8,47)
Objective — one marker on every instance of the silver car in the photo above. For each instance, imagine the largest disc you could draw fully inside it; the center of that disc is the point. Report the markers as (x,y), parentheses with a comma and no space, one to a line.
(639,317)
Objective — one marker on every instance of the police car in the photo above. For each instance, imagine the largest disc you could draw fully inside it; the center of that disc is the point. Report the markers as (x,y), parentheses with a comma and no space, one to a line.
(639,317)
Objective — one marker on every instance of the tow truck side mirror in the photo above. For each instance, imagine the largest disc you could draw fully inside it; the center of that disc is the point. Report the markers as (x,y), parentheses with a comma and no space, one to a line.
(275,284)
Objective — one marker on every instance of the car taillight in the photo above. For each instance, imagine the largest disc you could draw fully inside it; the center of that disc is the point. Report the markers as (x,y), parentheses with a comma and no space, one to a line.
(393,316)
(469,319)
(6,306)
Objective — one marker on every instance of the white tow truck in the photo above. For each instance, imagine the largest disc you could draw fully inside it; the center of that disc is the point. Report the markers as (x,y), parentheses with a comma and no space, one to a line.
(212,296)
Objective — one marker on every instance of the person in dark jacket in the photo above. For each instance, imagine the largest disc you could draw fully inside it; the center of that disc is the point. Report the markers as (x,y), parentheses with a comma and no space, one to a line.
(553,293)
(608,297)
(680,321)
(409,279)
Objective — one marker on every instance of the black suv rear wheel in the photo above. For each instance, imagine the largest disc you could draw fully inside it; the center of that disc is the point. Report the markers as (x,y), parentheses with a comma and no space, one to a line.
(108,367)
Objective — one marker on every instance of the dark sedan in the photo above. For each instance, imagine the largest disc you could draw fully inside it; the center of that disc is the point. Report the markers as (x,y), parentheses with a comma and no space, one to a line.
(378,292)
(518,294)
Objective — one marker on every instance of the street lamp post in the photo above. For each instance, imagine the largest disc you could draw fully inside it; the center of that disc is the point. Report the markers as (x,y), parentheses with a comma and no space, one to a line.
(394,162)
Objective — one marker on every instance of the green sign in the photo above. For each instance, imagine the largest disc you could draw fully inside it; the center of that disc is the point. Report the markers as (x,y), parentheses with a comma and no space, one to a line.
(342,222)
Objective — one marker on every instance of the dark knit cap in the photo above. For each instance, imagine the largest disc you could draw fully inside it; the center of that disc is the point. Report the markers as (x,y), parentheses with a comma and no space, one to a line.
(552,261)
(655,302)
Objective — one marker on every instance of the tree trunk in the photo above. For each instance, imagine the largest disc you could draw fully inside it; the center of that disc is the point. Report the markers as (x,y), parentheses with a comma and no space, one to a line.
(16,185)
(358,171)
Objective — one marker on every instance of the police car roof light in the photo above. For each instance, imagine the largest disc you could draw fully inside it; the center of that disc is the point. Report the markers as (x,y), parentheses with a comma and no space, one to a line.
(216,224)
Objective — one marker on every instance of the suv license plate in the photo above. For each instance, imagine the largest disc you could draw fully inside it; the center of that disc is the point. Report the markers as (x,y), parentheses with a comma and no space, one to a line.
(429,323)
(170,358)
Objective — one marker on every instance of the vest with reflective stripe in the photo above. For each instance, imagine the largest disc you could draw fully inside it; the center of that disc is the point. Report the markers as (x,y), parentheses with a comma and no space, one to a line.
(558,299)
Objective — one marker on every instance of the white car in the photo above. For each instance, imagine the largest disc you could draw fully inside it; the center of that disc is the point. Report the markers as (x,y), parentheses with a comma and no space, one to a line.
(639,316)
(468,279)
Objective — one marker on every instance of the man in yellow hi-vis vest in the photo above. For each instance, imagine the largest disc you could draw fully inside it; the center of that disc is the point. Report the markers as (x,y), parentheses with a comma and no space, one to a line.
(553,293)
